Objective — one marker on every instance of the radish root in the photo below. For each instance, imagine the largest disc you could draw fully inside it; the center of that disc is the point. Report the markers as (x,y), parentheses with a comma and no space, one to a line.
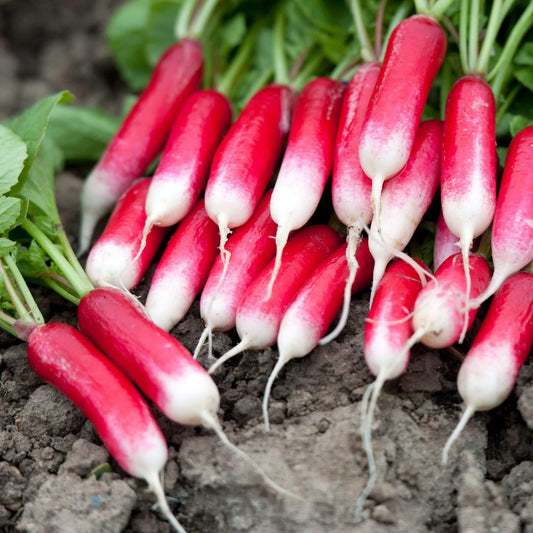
(282,361)
(237,349)
(465,417)
(149,224)
(354,240)
(375,200)
(282,235)
(201,341)
(465,243)
(154,483)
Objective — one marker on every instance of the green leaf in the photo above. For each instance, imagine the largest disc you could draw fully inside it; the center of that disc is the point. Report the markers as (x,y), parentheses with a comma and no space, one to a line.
(524,56)
(82,134)
(518,123)
(525,77)
(12,155)
(31,126)
(10,209)
(126,35)
(6,245)
(31,260)
(160,28)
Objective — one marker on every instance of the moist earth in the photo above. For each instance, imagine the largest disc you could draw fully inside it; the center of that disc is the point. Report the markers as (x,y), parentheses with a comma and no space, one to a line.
(49,452)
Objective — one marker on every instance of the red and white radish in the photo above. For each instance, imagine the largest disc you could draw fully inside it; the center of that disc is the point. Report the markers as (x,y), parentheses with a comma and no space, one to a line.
(112,260)
(512,228)
(445,243)
(66,359)
(314,307)
(387,331)
(438,315)
(251,247)
(307,160)
(245,160)
(488,372)
(257,319)
(405,199)
(413,57)
(468,175)
(183,268)
(142,134)
(156,362)
(182,172)
(350,186)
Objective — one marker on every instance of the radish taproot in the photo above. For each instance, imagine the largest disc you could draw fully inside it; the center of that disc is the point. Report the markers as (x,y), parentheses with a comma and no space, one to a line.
(387,331)
(244,161)
(350,186)
(183,268)
(512,227)
(468,174)
(307,161)
(156,362)
(414,55)
(142,134)
(66,359)
(405,199)
(258,320)
(314,307)
(113,258)
(488,372)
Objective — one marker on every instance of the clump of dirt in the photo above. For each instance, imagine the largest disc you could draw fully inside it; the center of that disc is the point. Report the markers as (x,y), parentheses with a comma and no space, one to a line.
(48,451)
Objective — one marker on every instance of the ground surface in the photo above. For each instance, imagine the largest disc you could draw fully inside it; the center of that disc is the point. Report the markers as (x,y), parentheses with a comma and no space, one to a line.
(48,449)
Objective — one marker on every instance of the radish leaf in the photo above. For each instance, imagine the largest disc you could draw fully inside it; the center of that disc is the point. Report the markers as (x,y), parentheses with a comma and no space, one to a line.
(12,157)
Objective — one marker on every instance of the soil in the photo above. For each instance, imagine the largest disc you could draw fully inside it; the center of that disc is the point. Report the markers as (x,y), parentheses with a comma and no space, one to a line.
(48,449)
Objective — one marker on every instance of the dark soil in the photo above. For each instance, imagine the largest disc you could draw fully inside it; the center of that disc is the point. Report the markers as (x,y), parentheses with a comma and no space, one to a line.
(48,449)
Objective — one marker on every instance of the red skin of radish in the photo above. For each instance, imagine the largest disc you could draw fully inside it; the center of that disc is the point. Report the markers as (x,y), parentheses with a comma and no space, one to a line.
(407,196)
(350,186)
(153,359)
(438,313)
(308,158)
(142,134)
(414,54)
(393,302)
(468,174)
(66,359)
(110,260)
(182,172)
(183,268)
(318,301)
(445,243)
(245,159)
(251,247)
(512,228)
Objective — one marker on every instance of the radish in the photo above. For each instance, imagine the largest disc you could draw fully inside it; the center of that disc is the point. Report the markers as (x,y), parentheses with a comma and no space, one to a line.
(314,307)
(445,243)
(183,268)
(414,54)
(251,247)
(387,331)
(350,186)
(512,229)
(257,319)
(468,176)
(307,161)
(182,172)
(438,316)
(142,134)
(488,372)
(405,199)
(245,160)
(111,260)
(66,359)
(156,362)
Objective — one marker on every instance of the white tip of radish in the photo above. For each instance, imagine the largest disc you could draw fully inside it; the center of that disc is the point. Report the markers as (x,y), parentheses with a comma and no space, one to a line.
(156,487)
(243,345)
(380,264)
(110,263)
(375,199)
(466,416)
(282,361)
(353,239)
(465,245)
(282,234)
(168,200)
(211,422)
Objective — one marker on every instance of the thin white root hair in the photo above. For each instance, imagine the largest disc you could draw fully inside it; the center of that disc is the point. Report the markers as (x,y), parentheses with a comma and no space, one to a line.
(149,224)
(201,341)
(211,422)
(375,200)
(353,240)
(282,235)
(465,244)
(465,417)
(154,482)
(407,317)
(237,349)
(281,362)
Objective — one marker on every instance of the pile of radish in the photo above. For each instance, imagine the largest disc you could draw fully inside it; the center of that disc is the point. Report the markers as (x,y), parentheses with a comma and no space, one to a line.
(266,262)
